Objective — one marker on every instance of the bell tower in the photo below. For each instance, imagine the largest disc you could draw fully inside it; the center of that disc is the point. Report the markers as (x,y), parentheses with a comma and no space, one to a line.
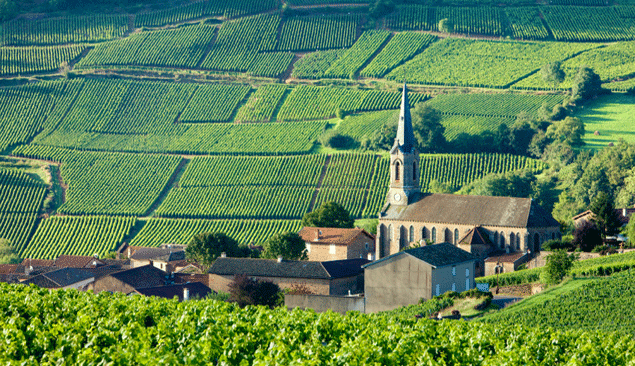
(404,159)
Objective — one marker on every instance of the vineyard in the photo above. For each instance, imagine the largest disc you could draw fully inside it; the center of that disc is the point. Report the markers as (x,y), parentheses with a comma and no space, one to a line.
(214,103)
(310,33)
(604,305)
(525,23)
(210,332)
(20,204)
(572,23)
(35,59)
(354,59)
(180,231)
(462,62)
(107,183)
(49,31)
(261,104)
(402,47)
(315,64)
(86,235)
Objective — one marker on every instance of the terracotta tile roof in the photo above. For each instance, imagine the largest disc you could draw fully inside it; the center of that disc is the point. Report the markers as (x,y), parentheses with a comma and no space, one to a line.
(196,289)
(77,261)
(141,277)
(329,235)
(11,268)
(436,255)
(60,278)
(38,262)
(158,254)
(505,257)
(477,235)
(287,268)
(472,210)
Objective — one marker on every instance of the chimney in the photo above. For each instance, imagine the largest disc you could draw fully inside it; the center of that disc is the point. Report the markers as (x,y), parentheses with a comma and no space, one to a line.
(279,259)
(223,255)
(318,234)
(624,212)
(186,294)
(371,256)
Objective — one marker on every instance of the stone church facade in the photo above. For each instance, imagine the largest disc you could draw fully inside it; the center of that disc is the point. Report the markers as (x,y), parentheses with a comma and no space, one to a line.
(478,224)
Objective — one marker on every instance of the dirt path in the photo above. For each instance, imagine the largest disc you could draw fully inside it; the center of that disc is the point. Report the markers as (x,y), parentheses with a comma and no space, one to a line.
(319,185)
(172,183)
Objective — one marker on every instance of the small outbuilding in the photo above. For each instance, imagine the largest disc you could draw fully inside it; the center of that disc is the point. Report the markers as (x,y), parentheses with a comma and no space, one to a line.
(330,244)
(406,277)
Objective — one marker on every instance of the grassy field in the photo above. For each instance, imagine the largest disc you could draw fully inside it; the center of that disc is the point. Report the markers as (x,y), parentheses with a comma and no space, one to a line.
(612,116)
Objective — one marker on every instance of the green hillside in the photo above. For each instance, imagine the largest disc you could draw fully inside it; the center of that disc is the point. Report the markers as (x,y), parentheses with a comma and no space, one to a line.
(164,119)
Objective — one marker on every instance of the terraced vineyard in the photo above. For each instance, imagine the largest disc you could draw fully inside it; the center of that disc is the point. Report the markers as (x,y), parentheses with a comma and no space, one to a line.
(77,236)
(107,183)
(261,104)
(36,59)
(310,33)
(401,48)
(20,203)
(214,103)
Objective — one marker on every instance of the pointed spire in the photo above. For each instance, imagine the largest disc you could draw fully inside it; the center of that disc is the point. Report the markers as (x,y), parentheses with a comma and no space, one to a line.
(405,139)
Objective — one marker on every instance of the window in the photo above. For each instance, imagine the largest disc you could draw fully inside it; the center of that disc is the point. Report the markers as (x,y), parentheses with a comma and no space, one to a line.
(467,272)
(308,248)
(397,166)
(456,236)
(438,289)
(453,286)
(412,234)
(453,270)
(389,233)
(434,235)
(495,238)
(424,233)
(366,246)
(467,284)
(553,236)
(332,249)
(517,241)
(502,240)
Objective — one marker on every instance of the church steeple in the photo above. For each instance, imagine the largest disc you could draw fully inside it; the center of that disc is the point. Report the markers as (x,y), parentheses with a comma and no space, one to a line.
(404,159)
(405,139)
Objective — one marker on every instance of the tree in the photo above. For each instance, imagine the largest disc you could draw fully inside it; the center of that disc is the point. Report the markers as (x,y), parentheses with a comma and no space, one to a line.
(329,214)
(8,9)
(446,25)
(521,135)
(289,245)
(605,216)
(204,248)
(587,236)
(570,131)
(630,232)
(558,265)
(248,291)
(552,73)
(502,139)
(381,8)
(586,85)
(427,128)
(7,253)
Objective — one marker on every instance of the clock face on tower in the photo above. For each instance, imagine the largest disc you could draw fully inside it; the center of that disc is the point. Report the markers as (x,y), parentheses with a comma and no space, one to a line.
(397,197)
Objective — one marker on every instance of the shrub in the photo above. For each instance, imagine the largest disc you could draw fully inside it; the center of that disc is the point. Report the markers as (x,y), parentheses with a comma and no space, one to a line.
(248,291)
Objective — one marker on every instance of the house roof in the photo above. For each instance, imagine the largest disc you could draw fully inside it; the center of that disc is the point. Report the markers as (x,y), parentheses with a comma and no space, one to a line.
(38,262)
(620,212)
(436,255)
(505,257)
(196,289)
(103,271)
(287,268)
(472,210)
(158,254)
(76,261)
(476,235)
(60,278)
(11,268)
(329,235)
(141,277)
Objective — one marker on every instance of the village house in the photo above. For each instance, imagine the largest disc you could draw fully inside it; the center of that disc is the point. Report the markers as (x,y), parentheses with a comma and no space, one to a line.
(411,217)
(63,278)
(505,262)
(329,244)
(165,259)
(131,280)
(322,278)
(408,276)
(78,261)
(184,291)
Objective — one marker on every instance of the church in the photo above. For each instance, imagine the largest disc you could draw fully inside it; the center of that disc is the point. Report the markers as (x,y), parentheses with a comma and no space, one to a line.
(480,225)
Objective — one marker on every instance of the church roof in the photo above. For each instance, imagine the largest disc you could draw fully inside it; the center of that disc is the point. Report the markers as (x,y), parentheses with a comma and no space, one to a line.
(472,210)
(405,139)
(476,236)
(436,255)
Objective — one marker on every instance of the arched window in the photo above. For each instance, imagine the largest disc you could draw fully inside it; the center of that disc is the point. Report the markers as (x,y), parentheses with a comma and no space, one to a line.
(412,234)
(402,237)
(389,233)
(414,171)
(456,236)
(496,238)
(511,240)
(517,241)
(424,233)
(536,242)
(502,240)
(434,235)
(397,166)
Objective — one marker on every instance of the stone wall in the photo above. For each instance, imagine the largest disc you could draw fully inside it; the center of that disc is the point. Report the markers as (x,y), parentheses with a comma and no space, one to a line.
(321,303)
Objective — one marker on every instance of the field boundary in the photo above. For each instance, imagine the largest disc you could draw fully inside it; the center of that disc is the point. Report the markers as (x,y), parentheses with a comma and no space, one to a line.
(172,183)
(319,184)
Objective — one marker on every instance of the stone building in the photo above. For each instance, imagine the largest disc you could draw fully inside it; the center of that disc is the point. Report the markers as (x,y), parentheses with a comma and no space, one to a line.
(406,277)
(409,216)
(329,244)
(321,278)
